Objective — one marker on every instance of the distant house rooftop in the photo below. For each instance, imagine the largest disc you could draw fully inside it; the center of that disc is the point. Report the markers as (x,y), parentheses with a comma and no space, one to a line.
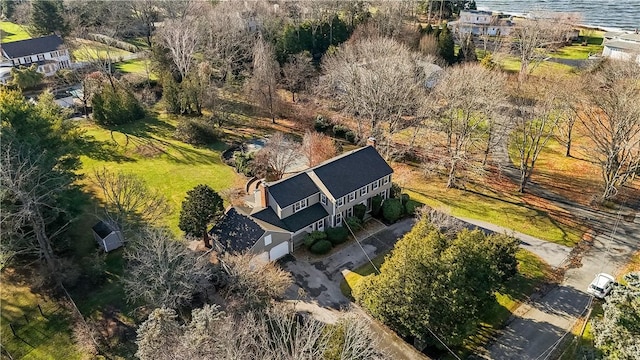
(33,46)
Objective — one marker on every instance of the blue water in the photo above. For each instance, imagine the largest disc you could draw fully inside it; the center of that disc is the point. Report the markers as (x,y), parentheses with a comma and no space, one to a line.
(620,14)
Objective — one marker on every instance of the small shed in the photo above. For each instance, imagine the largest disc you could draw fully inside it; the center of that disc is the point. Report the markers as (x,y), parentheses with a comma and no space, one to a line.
(107,236)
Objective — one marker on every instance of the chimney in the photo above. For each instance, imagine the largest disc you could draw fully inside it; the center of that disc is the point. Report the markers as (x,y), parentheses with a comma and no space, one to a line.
(264,194)
(371,141)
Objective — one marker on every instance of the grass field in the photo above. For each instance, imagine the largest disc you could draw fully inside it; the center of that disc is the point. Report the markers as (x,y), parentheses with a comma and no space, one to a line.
(169,166)
(38,337)
(504,207)
(87,50)
(512,64)
(12,32)
(137,66)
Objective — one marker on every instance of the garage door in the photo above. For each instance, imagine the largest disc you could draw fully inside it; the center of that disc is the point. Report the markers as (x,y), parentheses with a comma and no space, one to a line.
(279,251)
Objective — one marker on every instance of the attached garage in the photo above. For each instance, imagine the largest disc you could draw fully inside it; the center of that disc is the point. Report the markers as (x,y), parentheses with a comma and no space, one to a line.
(279,251)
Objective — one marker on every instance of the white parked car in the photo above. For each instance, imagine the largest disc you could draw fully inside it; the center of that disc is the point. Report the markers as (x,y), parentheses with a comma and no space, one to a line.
(601,285)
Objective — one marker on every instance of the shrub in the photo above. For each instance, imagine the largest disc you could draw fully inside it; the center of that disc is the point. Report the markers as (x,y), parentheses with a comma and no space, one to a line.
(244,162)
(314,237)
(410,206)
(404,198)
(321,124)
(197,132)
(116,107)
(395,190)
(321,247)
(376,205)
(339,130)
(359,211)
(337,235)
(392,210)
(350,136)
(354,223)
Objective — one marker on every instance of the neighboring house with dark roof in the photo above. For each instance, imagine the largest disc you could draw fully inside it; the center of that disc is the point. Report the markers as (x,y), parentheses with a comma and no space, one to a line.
(314,199)
(621,45)
(48,52)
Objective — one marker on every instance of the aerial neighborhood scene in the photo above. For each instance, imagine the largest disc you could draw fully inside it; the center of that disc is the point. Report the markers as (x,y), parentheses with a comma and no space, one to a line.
(327,179)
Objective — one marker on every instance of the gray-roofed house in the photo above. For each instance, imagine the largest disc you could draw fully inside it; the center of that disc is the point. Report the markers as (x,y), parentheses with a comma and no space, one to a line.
(622,45)
(48,52)
(107,236)
(314,199)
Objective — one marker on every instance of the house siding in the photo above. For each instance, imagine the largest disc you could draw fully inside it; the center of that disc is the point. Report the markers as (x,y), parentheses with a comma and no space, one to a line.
(358,199)
(288,211)
(277,238)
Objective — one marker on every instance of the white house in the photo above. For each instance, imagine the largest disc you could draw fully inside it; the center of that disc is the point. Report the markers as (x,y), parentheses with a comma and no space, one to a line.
(622,45)
(48,52)
(478,22)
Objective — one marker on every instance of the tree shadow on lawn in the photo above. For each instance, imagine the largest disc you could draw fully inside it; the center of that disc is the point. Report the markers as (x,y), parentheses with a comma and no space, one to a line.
(101,150)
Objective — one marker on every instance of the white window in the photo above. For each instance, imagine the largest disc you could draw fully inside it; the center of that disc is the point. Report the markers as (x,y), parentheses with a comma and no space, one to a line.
(323,199)
(376,184)
(349,212)
(40,57)
(320,225)
(300,205)
(338,221)
(363,191)
(27,60)
(352,196)
(267,240)
(383,194)
(340,201)
(385,180)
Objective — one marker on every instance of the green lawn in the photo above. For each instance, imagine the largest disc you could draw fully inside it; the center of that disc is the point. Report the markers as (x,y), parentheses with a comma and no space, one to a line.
(512,64)
(136,66)
(42,337)
(169,166)
(87,50)
(12,32)
(503,208)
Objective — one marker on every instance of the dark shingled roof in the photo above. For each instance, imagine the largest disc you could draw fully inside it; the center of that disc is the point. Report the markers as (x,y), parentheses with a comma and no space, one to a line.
(102,229)
(293,189)
(236,232)
(296,221)
(352,171)
(28,47)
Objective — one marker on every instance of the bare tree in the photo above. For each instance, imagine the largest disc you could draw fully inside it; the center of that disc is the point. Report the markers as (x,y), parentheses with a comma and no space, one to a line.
(359,342)
(230,38)
(181,37)
(571,93)
(297,71)
(317,147)
(162,271)
(256,282)
(29,196)
(263,83)
(146,13)
(533,39)
(128,200)
(278,155)
(428,45)
(379,82)
(534,121)
(612,121)
(158,335)
(464,103)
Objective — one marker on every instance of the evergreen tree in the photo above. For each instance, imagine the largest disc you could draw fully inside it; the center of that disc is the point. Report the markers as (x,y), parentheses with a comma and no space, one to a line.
(433,283)
(46,17)
(26,77)
(446,48)
(201,207)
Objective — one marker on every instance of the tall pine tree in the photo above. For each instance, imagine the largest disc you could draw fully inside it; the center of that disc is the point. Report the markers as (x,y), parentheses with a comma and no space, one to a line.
(199,209)
(446,46)
(46,17)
